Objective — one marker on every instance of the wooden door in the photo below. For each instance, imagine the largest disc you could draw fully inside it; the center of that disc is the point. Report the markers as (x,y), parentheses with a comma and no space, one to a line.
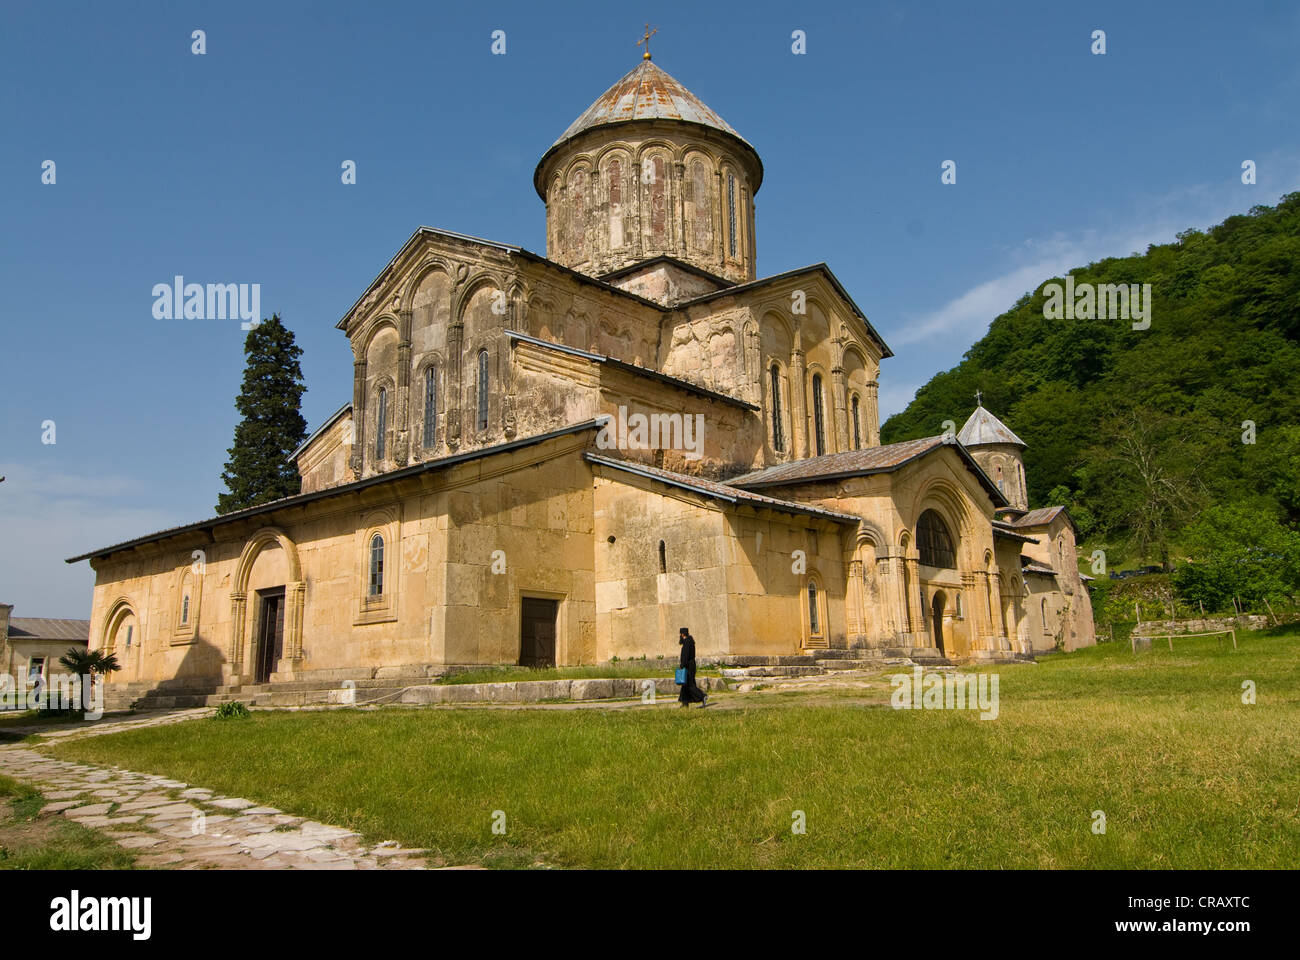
(537,632)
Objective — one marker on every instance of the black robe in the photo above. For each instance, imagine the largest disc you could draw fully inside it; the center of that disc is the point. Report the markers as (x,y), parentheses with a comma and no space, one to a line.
(690,693)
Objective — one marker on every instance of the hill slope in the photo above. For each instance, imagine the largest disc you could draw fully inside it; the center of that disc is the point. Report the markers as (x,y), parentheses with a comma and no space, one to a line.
(1144,428)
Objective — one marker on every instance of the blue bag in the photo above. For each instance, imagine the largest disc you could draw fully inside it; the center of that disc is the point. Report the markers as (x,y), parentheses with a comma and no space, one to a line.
(681,676)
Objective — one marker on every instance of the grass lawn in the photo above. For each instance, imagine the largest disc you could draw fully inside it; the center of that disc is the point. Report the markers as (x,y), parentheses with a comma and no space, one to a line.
(49,843)
(1186,774)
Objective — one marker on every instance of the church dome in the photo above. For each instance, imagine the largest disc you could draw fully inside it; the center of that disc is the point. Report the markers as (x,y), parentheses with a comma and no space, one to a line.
(650,170)
(647,93)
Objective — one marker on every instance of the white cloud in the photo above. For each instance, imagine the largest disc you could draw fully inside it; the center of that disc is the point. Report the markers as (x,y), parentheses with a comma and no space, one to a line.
(958,323)
(47,516)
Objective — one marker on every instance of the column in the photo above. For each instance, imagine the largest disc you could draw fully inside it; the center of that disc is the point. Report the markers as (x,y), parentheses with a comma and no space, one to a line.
(358,416)
(839,393)
(235,656)
(872,414)
(798,403)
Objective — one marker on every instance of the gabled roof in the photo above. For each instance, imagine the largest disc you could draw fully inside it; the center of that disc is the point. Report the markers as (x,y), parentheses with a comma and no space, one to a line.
(982,427)
(821,268)
(633,368)
(333,418)
(860,463)
(719,491)
(1040,517)
(46,628)
(343,489)
(504,248)
(1001,529)
(665,258)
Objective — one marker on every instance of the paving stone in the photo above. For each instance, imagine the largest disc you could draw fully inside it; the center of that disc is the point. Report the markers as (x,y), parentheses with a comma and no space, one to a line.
(232,803)
(139,843)
(56,807)
(90,810)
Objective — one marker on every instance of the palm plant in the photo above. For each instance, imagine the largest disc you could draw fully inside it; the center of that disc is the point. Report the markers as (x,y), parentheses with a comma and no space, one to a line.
(86,663)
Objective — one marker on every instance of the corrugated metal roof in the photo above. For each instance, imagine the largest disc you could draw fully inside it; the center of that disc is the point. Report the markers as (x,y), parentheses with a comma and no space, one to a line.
(983,427)
(1037,518)
(346,488)
(45,628)
(850,462)
(857,463)
(646,93)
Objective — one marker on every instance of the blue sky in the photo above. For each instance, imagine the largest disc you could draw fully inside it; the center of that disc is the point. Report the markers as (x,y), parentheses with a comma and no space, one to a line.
(226,168)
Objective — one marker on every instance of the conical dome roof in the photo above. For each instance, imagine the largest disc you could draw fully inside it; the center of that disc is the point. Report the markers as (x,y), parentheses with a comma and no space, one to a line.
(646,93)
(984,428)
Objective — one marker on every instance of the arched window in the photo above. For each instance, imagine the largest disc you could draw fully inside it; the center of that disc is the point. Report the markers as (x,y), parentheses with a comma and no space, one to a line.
(1046,629)
(778,431)
(1060,549)
(934,542)
(430,406)
(185,608)
(814,622)
(663,557)
(819,414)
(376,566)
(731,214)
(1000,484)
(857,424)
(482,389)
(381,422)
(956,604)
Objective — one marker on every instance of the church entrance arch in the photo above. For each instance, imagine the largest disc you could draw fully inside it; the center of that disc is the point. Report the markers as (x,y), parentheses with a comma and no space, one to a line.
(936,617)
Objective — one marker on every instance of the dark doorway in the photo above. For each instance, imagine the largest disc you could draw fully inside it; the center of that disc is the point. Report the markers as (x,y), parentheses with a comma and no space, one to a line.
(270,631)
(936,616)
(537,632)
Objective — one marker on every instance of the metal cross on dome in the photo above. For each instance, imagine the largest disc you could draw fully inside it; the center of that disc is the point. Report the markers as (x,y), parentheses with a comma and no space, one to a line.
(646,40)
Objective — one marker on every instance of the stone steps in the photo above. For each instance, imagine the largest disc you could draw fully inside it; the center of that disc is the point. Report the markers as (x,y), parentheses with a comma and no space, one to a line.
(774,671)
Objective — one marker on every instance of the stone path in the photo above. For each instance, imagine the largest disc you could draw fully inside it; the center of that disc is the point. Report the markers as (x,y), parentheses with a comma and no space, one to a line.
(173,824)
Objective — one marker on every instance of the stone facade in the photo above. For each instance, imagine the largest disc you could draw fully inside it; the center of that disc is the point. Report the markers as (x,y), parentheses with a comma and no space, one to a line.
(491,494)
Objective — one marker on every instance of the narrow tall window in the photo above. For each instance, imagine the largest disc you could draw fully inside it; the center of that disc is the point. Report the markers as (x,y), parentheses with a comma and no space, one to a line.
(430,406)
(814,624)
(819,415)
(731,214)
(778,432)
(185,608)
(381,422)
(376,565)
(663,557)
(482,389)
(857,425)
(129,631)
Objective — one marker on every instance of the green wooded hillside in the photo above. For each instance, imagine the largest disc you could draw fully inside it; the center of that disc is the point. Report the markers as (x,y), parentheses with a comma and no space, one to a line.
(1139,431)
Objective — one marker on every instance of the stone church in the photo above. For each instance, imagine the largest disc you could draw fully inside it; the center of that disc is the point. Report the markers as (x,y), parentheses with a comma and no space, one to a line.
(561,459)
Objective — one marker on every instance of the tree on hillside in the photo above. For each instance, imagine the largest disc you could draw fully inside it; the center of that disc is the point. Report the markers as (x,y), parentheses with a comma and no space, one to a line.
(1238,550)
(271,425)
(1147,474)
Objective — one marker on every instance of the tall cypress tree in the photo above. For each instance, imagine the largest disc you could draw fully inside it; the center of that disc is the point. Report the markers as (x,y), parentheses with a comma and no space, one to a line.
(272,426)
